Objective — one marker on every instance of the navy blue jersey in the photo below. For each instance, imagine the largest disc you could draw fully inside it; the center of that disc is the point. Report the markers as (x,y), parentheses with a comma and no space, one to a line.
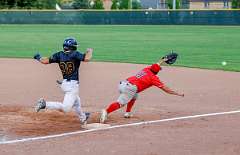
(69,63)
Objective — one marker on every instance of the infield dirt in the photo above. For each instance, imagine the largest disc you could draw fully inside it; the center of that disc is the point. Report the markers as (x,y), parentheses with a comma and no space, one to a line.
(24,81)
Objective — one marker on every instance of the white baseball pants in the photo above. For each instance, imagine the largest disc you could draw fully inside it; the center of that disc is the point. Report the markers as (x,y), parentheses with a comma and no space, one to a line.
(127,92)
(71,99)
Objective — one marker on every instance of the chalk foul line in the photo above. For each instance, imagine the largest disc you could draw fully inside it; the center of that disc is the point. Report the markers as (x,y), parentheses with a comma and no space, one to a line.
(119,126)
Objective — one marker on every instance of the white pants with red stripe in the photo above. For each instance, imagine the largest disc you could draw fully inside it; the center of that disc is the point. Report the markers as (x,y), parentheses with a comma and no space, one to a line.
(127,92)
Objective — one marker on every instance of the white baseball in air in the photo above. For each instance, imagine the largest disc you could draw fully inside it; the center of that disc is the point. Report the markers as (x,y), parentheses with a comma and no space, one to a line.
(224,63)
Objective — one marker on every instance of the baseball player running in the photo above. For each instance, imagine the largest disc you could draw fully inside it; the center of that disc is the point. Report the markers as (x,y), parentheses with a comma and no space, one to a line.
(130,87)
(69,62)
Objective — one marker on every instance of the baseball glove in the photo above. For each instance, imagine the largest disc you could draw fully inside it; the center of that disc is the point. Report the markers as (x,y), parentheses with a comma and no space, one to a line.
(170,58)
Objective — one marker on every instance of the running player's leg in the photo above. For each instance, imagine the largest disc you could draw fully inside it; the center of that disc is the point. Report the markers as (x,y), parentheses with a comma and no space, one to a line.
(66,106)
(54,106)
(113,107)
(78,109)
(128,113)
(126,94)
(122,100)
(70,90)
(69,100)
(131,103)
(42,104)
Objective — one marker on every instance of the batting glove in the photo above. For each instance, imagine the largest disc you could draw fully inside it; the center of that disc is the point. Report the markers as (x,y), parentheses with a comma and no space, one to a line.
(37,56)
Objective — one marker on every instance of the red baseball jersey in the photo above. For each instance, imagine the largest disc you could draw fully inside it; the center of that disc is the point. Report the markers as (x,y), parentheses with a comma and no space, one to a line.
(145,79)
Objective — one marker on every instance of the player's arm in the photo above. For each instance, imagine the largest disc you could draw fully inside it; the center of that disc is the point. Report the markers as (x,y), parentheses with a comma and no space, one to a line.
(170,91)
(161,61)
(43,60)
(156,81)
(88,54)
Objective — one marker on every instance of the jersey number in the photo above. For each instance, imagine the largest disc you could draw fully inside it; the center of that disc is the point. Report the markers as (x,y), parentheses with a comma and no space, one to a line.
(67,68)
(140,74)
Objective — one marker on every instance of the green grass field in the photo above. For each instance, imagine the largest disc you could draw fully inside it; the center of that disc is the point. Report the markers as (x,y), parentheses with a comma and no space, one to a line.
(198,46)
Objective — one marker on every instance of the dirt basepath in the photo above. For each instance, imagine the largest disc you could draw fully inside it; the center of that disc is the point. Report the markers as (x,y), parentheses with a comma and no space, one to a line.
(25,81)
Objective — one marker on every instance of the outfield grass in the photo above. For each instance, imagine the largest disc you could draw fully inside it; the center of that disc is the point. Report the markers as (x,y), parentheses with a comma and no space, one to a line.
(198,46)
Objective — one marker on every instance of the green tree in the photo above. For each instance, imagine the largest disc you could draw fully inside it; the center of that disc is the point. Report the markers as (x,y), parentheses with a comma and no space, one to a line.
(8,4)
(3,4)
(235,4)
(124,4)
(26,4)
(136,4)
(45,4)
(80,4)
(64,1)
(98,4)
(170,4)
(115,4)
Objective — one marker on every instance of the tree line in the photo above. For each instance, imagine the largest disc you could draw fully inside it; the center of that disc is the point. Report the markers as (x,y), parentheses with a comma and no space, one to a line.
(67,4)
(81,4)
(27,4)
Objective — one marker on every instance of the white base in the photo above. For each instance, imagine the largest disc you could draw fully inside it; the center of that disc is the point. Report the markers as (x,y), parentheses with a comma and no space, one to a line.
(95,126)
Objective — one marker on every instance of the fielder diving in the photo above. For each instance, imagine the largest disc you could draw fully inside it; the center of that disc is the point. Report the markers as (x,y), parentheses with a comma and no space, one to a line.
(133,85)
(69,61)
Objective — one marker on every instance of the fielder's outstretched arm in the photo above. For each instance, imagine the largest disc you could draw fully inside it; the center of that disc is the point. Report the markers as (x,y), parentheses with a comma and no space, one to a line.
(169,91)
(161,61)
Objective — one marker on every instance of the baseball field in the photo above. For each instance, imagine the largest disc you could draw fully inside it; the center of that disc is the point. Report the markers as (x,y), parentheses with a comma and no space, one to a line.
(198,46)
(204,122)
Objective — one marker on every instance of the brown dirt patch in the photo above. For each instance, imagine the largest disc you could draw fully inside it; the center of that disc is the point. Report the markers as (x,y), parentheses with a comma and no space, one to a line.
(21,122)
(25,122)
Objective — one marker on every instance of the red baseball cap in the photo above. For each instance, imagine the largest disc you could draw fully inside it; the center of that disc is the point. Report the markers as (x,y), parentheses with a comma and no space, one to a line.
(155,68)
